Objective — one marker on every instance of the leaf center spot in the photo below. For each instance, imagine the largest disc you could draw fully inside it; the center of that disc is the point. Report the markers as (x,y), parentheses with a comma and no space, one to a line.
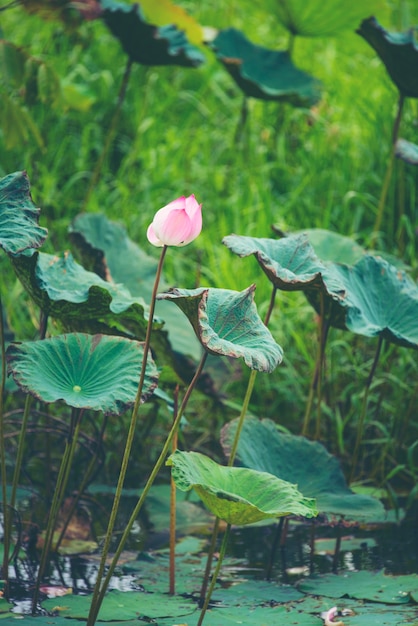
(77,388)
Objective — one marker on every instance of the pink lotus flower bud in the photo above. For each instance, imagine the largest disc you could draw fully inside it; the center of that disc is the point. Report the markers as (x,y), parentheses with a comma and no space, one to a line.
(176,224)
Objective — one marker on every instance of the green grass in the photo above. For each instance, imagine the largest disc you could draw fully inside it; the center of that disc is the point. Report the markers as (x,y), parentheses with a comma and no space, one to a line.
(292,167)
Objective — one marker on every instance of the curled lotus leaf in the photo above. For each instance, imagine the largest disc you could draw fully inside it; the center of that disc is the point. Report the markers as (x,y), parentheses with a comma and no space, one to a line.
(399,53)
(19,217)
(289,263)
(317,473)
(381,300)
(263,73)
(98,372)
(315,18)
(81,300)
(146,43)
(237,495)
(226,323)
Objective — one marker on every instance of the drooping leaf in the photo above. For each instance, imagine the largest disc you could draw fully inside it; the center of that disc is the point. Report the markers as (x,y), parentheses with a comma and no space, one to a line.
(289,263)
(307,463)
(122,606)
(407,151)
(227,323)
(364,585)
(165,12)
(238,495)
(105,248)
(263,73)
(19,217)
(98,372)
(81,300)
(399,53)
(314,18)
(146,43)
(381,300)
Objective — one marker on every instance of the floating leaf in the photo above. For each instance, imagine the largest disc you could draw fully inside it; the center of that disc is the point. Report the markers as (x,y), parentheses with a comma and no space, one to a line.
(19,218)
(289,457)
(106,249)
(96,372)
(381,300)
(314,18)
(407,151)
(398,52)
(120,606)
(227,323)
(145,43)
(377,587)
(263,73)
(165,12)
(237,495)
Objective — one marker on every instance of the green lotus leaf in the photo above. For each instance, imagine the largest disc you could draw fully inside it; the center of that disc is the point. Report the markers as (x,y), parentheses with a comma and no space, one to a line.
(398,52)
(314,18)
(262,73)
(289,263)
(317,473)
(237,495)
(19,217)
(375,586)
(98,372)
(226,322)
(333,247)
(407,151)
(381,300)
(119,606)
(81,300)
(145,43)
(106,249)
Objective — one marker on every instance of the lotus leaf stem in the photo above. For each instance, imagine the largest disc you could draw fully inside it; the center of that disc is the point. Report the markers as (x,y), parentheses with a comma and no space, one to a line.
(215,574)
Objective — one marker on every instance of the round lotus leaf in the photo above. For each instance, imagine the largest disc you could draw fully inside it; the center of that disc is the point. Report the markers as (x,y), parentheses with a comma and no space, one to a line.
(294,458)
(226,322)
(238,495)
(19,217)
(263,73)
(98,372)
(398,51)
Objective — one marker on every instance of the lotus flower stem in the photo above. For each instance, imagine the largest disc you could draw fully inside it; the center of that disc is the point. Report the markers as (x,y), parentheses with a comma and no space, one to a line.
(389,171)
(360,425)
(172,574)
(110,133)
(101,589)
(61,484)
(215,574)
